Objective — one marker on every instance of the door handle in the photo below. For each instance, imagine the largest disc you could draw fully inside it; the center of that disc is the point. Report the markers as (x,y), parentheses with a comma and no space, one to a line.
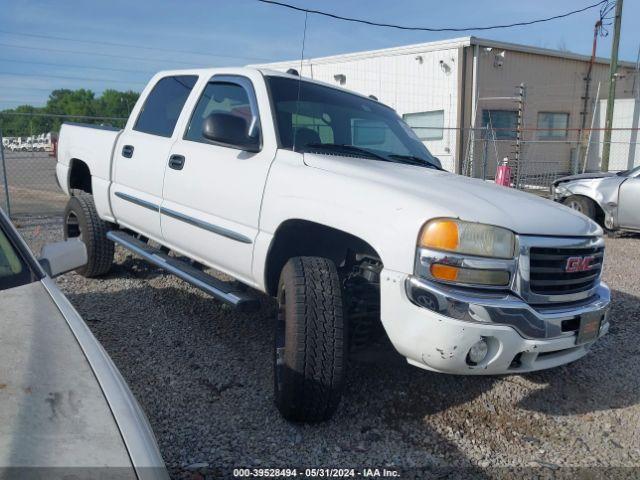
(176,162)
(127,151)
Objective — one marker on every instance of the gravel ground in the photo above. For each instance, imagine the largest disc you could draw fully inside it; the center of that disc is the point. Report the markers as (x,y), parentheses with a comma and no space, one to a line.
(202,372)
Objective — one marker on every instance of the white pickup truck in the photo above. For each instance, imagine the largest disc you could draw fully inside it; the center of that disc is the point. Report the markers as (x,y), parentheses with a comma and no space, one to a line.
(327,201)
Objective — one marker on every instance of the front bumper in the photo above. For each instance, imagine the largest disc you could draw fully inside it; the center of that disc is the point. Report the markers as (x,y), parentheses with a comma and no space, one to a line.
(434,326)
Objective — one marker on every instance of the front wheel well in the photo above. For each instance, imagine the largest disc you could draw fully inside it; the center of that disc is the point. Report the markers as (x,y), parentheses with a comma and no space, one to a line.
(298,238)
(599,212)
(79,176)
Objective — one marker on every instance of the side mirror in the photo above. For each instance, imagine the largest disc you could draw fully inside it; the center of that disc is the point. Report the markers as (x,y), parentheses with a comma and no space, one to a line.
(230,130)
(62,257)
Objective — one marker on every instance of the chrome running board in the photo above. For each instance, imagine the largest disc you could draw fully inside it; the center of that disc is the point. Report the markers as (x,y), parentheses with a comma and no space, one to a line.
(227,292)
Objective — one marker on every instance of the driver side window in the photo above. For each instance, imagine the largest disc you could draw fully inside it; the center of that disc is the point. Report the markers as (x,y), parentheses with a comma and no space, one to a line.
(219,97)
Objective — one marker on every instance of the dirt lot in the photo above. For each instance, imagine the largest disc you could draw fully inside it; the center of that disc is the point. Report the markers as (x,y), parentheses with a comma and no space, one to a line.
(203,374)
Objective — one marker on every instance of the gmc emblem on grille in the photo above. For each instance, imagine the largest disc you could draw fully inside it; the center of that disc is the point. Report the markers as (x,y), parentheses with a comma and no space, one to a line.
(578,264)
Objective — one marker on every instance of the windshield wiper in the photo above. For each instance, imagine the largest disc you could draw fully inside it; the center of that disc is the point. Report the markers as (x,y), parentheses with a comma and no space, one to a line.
(413,160)
(392,157)
(352,149)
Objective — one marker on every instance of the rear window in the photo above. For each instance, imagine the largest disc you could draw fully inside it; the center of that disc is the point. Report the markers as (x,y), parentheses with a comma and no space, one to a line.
(163,105)
(13,270)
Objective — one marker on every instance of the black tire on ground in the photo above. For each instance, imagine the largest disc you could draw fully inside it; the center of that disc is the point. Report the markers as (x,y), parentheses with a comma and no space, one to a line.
(311,340)
(582,204)
(81,220)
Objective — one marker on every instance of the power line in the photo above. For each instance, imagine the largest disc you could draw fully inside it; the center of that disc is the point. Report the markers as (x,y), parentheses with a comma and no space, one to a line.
(50,89)
(7,87)
(107,80)
(55,115)
(93,54)
(431,29)
(129,45)
(66,65)
(60,50)
(21,102)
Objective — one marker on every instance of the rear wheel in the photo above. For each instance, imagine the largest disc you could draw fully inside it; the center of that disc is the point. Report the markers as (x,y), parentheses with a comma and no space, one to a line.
(582,204)
(81,220)
(310,340)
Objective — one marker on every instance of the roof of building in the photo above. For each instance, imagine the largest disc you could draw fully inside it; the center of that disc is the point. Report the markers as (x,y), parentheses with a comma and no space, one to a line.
(446,44)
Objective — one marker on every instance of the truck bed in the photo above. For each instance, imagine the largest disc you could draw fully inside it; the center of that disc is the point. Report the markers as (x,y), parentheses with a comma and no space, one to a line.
(93,144)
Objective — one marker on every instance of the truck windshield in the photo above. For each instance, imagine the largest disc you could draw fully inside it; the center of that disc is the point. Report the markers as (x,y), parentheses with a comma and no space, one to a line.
(315,118)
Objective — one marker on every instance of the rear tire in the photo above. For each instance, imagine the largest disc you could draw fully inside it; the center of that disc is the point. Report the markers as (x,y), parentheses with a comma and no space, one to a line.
(582,204)
(311,340)
(81,220)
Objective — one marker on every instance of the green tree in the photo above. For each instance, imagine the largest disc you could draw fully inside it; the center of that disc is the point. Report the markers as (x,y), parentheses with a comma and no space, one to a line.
(81,102)
(113,103)
(24,124)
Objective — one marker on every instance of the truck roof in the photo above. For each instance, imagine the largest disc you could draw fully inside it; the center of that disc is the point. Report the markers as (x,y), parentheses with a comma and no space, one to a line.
(244,70)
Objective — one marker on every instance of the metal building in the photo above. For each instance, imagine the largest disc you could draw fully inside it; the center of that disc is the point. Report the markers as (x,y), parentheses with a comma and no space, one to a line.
(450,90)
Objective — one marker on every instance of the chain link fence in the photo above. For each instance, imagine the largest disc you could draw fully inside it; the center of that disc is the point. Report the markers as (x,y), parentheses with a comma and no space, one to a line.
(28,184)
(533,165)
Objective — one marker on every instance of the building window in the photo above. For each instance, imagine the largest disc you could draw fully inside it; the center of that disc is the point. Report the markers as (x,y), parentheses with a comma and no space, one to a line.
(427,125)
(553,125)
(503,122)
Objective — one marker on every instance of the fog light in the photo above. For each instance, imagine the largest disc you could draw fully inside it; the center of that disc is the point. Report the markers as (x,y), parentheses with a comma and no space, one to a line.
(477,352)
(471,276)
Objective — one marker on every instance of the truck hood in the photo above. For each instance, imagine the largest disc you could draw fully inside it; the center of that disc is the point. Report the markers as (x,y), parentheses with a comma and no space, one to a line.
(461,197)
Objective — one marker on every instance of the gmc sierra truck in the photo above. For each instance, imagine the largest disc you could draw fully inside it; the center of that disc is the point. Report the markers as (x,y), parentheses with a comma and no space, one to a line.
(326,200)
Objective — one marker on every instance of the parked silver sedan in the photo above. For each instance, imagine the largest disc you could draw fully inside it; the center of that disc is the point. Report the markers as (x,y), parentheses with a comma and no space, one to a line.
(612,199)
(65,410)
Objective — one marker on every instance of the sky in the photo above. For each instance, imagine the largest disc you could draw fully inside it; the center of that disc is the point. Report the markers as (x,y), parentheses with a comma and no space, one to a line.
(119,44)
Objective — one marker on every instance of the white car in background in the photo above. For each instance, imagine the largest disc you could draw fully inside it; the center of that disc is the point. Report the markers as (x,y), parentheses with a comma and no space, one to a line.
(63,403)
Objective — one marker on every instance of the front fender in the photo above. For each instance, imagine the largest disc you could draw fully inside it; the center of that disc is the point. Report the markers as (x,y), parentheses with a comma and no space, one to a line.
(386,218)
(604,192)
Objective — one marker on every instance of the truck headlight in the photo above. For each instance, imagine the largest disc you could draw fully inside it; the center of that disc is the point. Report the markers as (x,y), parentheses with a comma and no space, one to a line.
(467,238)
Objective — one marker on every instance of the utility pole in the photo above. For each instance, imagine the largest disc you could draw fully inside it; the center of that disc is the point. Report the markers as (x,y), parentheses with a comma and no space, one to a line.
(613,70)
(582,148)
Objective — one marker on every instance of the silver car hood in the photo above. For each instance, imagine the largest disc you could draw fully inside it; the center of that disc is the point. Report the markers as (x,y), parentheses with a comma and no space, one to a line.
(584,176)
(52,410)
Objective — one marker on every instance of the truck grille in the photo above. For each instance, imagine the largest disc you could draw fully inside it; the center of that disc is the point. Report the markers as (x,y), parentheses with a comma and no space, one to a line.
(548,270)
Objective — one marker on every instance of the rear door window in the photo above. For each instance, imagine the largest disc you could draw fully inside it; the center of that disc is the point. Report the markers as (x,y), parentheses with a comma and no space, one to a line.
(163,105)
